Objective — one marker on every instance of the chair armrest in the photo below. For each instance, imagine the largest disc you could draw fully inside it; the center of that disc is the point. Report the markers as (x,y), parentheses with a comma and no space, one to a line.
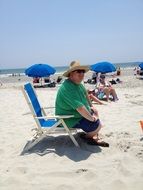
(65,116)
(48,107)
(55,117)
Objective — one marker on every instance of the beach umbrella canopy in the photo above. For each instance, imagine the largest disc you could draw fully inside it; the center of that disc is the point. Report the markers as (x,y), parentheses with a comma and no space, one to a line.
(141,65)
(103,67)
(40,70)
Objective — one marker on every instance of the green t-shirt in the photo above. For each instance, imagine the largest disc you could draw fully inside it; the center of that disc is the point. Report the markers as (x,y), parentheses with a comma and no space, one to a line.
(71,96)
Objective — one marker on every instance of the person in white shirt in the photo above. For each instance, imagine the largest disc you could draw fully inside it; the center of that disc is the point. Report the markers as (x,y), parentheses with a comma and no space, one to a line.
(105,88)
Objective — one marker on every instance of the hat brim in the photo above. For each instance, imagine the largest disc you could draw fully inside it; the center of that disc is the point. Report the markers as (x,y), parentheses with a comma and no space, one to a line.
(85,68)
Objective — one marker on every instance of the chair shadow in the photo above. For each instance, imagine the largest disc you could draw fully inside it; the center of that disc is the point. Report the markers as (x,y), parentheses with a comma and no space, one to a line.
(62,145)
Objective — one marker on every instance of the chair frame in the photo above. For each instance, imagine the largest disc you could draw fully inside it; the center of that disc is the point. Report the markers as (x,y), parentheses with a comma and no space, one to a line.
(42,132)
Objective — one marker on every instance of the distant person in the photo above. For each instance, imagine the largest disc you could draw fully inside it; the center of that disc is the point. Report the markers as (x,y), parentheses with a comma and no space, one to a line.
(47,79)
(72,99)
(36,80)
(118,71)
(135,71)
(138,70)
(59,79)
(105,88)
(94,77)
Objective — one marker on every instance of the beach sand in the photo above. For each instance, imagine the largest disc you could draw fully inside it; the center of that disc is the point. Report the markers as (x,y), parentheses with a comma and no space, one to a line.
(55,163)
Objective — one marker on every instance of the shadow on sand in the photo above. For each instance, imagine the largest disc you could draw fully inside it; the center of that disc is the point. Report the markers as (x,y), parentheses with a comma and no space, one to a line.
(62,145)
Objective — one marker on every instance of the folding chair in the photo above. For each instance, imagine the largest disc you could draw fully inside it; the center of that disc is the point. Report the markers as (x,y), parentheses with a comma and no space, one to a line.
(45,124)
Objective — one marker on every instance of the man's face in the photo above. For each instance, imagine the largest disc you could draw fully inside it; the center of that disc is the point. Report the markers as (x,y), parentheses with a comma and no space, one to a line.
(77,76)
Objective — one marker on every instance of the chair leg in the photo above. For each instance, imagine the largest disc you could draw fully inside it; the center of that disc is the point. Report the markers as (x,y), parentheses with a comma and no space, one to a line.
(36,141)
(71,136)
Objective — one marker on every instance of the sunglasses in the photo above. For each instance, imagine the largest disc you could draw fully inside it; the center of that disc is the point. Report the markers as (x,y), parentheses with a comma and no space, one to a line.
(80,71)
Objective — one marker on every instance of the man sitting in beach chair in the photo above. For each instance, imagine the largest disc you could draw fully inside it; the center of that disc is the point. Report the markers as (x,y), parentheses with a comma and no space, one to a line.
(45,124)
(72,99)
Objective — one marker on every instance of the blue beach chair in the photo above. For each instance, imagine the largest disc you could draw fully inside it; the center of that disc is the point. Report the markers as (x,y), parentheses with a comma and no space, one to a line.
(45,124)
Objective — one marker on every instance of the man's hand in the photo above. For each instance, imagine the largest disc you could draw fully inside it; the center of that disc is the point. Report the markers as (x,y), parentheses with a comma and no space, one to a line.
(94,111)
(86,114)
(94,118)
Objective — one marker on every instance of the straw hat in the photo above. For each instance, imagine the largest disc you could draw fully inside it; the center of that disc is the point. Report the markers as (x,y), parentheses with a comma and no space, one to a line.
(75,65)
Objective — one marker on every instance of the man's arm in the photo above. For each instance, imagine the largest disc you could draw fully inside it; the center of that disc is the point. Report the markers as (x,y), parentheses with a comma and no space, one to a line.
(94,111)
(86,114)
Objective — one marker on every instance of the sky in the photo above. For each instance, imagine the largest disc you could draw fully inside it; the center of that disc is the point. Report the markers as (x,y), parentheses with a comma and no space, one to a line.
(57,32)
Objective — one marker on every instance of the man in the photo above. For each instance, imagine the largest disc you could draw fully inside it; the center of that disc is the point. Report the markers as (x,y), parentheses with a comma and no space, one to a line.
(72,99)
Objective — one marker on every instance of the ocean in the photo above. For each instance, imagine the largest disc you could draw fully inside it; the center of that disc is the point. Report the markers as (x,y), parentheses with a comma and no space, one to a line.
(60,69)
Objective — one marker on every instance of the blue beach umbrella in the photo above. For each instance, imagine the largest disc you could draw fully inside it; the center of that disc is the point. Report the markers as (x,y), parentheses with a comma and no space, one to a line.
(40,70)
(103,67)
(141,65)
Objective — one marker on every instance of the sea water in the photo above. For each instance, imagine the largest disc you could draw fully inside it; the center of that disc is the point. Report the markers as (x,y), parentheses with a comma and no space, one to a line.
(21,71)
(59,69)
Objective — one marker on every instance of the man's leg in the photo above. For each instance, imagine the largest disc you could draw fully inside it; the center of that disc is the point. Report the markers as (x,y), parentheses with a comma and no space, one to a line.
(94,134)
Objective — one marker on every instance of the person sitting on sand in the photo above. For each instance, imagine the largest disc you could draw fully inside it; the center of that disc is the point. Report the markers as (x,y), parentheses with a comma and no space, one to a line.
(47,79)
(72,99)
(36,80)
(92,97)
(105,88)
(94,77)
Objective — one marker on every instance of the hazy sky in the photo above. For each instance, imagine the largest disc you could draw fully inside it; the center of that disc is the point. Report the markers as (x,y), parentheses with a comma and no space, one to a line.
(59,31)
